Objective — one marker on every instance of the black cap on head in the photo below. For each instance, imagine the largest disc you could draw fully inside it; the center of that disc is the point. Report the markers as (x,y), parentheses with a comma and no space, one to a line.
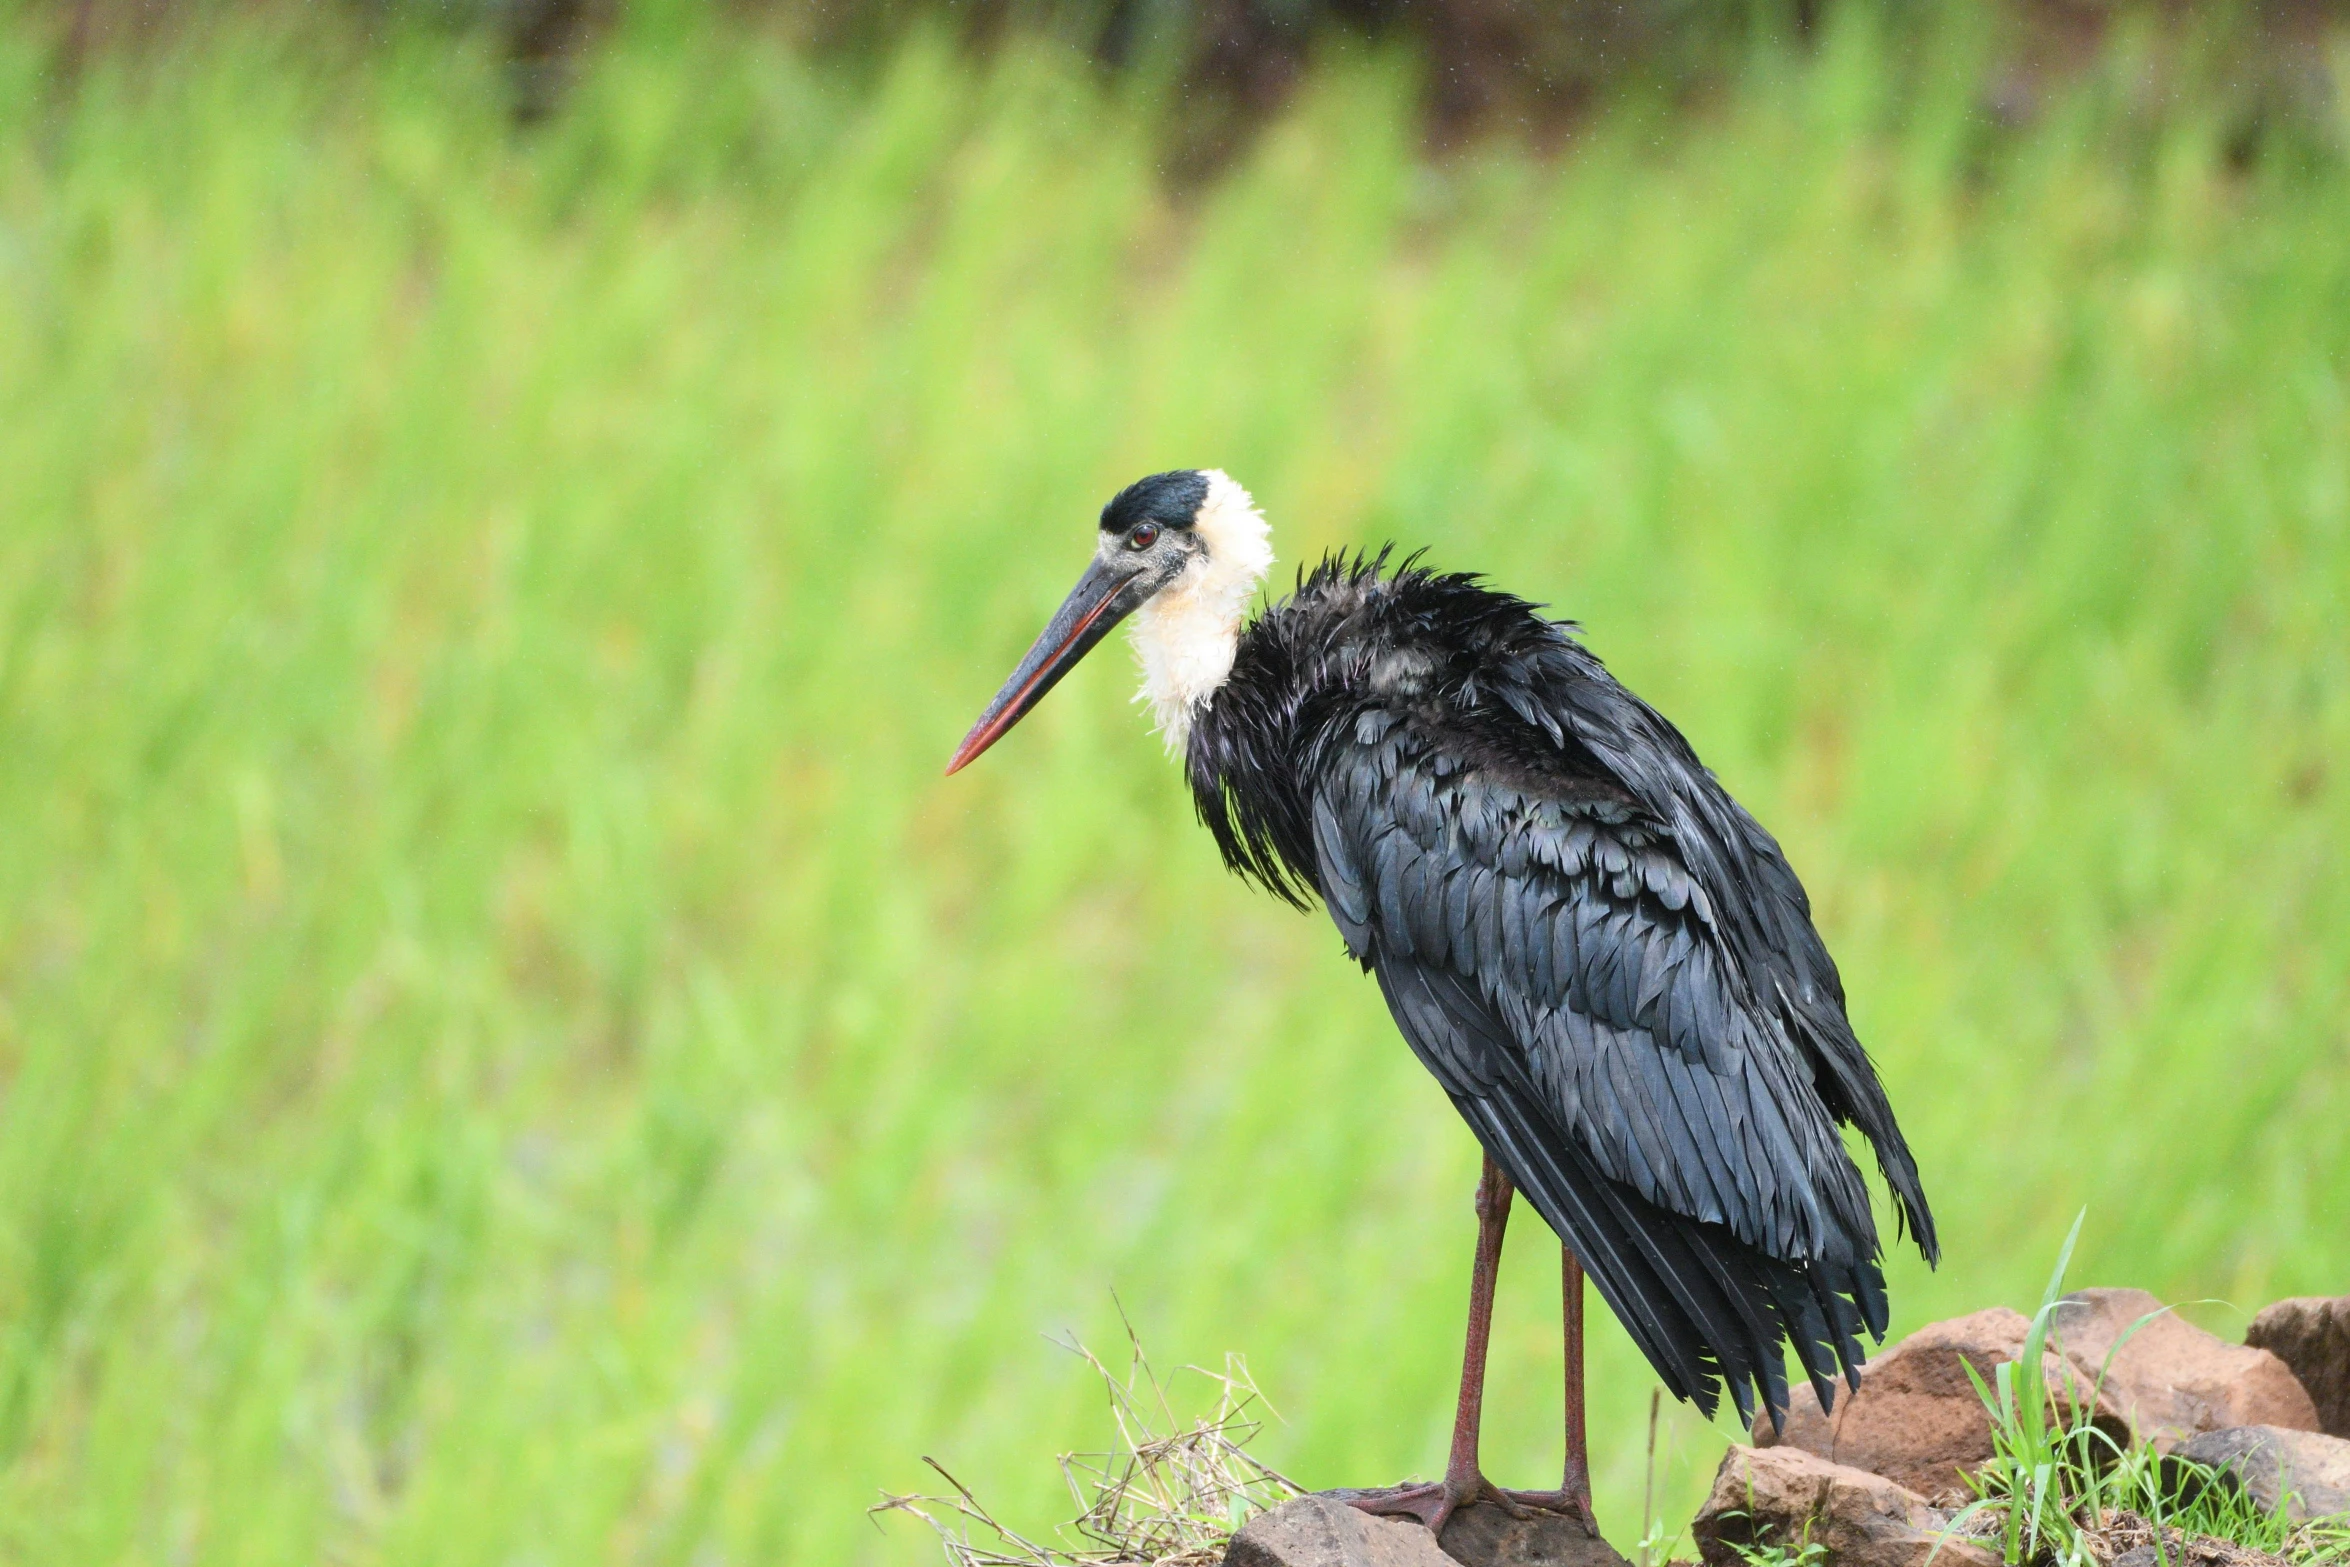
(1171,500)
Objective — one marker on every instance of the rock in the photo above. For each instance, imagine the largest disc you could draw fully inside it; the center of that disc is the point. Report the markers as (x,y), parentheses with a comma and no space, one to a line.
(2170,1378)
(1323,1531)
(2273,1465)
(1485,1536)
(2311,1335)
(1788,1496)
(1917,1420)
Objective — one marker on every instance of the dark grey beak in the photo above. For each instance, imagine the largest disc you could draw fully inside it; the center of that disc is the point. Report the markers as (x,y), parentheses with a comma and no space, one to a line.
(1104,596)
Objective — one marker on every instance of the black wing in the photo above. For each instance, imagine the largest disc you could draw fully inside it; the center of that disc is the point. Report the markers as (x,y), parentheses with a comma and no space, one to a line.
(1551,956)
(1561,690)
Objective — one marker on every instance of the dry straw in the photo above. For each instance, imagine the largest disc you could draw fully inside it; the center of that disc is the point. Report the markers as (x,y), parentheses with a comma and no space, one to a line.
(1168,1494)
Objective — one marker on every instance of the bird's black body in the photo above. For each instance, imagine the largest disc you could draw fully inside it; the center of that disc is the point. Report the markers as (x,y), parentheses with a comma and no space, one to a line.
(1605,961)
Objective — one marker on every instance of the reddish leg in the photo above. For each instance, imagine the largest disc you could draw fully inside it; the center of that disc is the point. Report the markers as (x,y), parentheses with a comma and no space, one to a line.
(1574,1492)
(1463,1482)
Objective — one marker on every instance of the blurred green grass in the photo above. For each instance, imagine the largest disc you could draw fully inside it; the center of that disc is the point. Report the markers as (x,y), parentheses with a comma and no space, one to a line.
(513,1053)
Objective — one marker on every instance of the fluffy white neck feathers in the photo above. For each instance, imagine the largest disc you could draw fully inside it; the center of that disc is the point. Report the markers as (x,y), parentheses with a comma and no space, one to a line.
(1185,635)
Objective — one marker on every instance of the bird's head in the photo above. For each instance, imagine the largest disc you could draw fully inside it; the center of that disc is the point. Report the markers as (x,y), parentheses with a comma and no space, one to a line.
(1182,552)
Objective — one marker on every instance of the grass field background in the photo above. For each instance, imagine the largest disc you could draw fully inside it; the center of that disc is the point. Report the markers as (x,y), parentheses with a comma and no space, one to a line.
(512,1053)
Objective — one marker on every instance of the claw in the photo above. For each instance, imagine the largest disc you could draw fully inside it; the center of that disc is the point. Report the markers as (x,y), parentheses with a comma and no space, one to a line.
(1575,1504)
(1434,1502)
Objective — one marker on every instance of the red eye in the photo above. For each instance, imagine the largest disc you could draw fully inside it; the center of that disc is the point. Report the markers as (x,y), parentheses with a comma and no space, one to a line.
(1145,535)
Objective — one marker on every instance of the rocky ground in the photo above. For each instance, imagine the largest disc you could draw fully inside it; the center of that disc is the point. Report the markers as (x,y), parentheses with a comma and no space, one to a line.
(1878,1482)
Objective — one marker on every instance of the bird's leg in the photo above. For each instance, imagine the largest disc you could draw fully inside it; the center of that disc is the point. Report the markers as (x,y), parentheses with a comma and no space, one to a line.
(1463,1483)
(1577,1483)
(1574,1492)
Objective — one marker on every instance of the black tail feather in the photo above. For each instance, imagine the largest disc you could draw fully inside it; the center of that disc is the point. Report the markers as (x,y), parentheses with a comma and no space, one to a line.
(1707,1309)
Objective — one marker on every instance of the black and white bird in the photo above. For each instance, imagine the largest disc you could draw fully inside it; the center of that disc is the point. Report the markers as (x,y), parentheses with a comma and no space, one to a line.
(1605,961)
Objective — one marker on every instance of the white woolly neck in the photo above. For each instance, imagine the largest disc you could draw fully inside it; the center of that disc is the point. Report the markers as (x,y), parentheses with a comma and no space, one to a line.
(1185,634)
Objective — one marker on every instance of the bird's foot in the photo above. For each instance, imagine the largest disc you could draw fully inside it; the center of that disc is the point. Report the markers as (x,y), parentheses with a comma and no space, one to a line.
(1434,1502)
(1574,1501)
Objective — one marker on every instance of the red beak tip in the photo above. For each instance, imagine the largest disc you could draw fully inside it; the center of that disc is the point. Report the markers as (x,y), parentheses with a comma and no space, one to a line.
(1046,662)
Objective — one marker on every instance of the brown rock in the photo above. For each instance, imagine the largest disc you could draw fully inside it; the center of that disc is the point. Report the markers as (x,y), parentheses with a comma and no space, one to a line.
(1917,1419)
(1323,1531)
(1787,1496)
(2311,1335)
(1485,1536)
(2169,1377)
(2307,1472)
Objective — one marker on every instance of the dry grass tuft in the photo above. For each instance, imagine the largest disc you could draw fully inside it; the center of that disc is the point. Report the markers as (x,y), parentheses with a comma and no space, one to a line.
(1167,1495)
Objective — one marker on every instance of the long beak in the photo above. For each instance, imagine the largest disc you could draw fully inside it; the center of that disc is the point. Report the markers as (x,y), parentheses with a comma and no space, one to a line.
(1093,608)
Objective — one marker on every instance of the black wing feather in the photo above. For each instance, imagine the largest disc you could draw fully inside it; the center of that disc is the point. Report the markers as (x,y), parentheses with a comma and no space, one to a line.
(1600,955)
(1592,1030)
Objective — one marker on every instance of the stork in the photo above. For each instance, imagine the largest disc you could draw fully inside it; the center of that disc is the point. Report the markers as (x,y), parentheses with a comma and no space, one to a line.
(1607,963)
